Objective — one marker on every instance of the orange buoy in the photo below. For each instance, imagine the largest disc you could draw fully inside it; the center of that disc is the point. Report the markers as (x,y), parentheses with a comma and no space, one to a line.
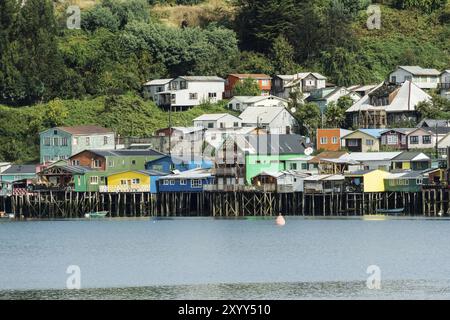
(280,220)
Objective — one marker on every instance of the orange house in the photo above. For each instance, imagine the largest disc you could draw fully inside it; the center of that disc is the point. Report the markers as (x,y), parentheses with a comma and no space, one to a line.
(330,139)
(264,82)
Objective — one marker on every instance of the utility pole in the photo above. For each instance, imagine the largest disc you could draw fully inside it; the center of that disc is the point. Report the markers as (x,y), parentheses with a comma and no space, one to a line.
(170,129)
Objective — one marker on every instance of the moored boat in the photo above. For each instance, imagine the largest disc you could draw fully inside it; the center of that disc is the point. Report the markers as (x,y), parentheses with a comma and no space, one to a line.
(96,215)
(390,212)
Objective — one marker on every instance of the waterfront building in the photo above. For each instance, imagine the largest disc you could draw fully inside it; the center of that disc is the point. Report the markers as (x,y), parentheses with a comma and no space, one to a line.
(366,181)
(280,182)
(170,163)
(408,160)
(60,143)
(304,82)
(191,181)
(395,139)
(18,172)
(132,181)
(363,140)
(324,183)
(331,139)
(411,181)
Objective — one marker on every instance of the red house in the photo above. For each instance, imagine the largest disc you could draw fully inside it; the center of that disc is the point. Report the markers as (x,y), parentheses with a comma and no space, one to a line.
(264,82)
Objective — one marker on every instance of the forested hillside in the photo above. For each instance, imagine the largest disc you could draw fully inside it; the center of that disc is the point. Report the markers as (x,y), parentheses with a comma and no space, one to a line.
(50,74)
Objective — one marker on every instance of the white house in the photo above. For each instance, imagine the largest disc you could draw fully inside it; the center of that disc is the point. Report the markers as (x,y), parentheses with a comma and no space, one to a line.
(370,160)
(275,120)
(240,103)
(152,88)
(323,97)
(189,91)
(305,82)
(423,78)
(444,84)
(217,120)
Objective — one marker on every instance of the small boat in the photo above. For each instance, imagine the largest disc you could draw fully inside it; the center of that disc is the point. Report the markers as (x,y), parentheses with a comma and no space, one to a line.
(375,217)
(9,216)
(96,215)
(391,212)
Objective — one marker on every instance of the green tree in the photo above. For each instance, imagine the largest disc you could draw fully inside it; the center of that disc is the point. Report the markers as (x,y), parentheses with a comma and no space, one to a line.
(55,114)
(247,87)
(283,56)
(334,116)
(309,117)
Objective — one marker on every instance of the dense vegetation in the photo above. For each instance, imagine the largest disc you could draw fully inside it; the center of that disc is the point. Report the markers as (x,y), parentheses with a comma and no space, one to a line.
(50,74)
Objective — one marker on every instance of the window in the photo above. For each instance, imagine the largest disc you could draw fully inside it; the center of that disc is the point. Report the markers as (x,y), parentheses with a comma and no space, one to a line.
(419,181)
(212,95)
(238,106)
(392,140)
(136,181)
(335,140)
(265,82)
(88,141)
(193,96)
(64,142)
(75,162)
(78,180)
(47,141)
(183,182)
(236,124)
(408,78)
(55,141)
(75,141)
(210,125)
(352,143)
(133,162)
(157,167)
(394,79)
(304,166)
(55,132)
(172,182)
(426,139)
(323,140)
(105,140)
(230,106)
(196,183)
(110,163)
(222,125)
(293,166)
(183,85)
(369,142)
(96,163)
(173,98)
(166,182)
(94,180)
(414,140)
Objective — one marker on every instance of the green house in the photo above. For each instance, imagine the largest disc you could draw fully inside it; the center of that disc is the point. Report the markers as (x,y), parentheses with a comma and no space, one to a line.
(272,153)
(410,181)
(90,181)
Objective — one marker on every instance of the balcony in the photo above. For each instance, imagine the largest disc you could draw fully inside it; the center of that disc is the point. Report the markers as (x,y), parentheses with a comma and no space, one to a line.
(444,85)
(229,172)
(124,189)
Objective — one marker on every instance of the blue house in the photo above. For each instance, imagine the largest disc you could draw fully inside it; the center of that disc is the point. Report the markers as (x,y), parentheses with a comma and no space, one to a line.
(187,181)
(170,163)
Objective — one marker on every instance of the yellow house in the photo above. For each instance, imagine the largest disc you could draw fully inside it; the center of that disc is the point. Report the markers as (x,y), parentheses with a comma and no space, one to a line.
(363,140)
(132,181)
(367,181)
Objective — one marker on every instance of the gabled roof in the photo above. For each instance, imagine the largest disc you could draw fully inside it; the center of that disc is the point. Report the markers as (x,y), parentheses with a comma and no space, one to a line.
(411,156)
(274,144)
(399,130)
(325,177)
(255,99)
(84,130)
(433,123)
(370,156)
(262,115)
(158,82)
(327,155)
(419,71)
(258,76)
(18,169)
(213,116)
(202,78)
(190,174)
(125,153)
(375,133)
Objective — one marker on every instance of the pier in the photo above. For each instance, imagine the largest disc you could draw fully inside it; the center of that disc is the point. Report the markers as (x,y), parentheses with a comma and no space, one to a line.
(432,202)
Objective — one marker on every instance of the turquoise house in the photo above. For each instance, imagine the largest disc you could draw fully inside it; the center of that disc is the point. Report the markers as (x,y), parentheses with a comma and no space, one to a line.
(60,143)
(18,172)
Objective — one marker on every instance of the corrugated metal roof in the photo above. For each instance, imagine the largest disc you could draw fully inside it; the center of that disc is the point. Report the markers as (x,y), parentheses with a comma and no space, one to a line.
(127,152)
(20,169)
(158,82)
(86,129)
(411,156)
(213,116)
(261,115)
(258,76)
(275,144)
(370,156)
(419,71)
(203,78)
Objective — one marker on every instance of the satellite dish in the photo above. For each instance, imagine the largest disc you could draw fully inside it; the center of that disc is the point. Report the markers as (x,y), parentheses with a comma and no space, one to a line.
(309,151)
(293,110)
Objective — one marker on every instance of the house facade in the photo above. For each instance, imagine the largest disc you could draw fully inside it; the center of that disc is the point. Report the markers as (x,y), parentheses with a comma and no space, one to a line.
(306,82)
(363,140)
(263,80)
(152,89)
(395,139)
(274,120)
(216,121)
(421,138)
(421,77)
(240,103)
(132,181)
(189,91)
(387,105)
(322,97)
(409,160)
(366,181)
(61,143)
(191,181)
(18,172)
(330,139)
(444,85)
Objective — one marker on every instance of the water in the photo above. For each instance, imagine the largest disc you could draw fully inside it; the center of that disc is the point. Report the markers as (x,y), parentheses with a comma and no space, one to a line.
(225,259)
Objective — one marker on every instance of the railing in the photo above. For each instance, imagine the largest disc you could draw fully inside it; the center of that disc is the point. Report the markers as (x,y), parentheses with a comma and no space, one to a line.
(123,189)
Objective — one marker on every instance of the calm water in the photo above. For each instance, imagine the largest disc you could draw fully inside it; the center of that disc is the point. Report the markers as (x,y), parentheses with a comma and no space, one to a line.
(226,259)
